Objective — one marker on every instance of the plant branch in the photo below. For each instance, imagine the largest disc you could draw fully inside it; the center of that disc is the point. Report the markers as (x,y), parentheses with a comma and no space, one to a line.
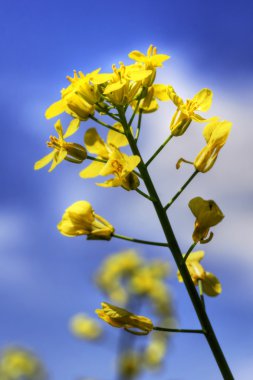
(105,124)
(140,241)
(159,150)
(179,330)
(181,190)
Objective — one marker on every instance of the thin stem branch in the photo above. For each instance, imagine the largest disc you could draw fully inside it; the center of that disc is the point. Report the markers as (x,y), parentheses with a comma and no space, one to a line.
(181,190)
(190,250)
(159,150)
(144,194)
(95,159)
(140,241)
(177,255)
(105,124)
(103,110)
(138,126)
(201,294)
(179,330)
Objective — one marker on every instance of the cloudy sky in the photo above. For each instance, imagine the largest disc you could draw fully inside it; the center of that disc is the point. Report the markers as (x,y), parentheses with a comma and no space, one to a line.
(46,278)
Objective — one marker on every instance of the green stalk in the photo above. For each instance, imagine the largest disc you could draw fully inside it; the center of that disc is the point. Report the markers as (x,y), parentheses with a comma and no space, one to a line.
(105,125)
(181,190)
(159,150)
(139,240)
(177,254)
(178,330)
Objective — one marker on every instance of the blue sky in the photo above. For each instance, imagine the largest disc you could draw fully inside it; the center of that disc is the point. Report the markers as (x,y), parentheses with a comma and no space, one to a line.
(46,278)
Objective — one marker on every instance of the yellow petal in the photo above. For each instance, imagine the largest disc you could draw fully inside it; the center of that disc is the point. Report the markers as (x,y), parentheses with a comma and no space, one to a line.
(114,87)
(160,92)
(195,256)
(114,182)
(117,139)
(72,128)
(211,285)
(203,99)
(44,161)
(158,59)
(138,75)
(196,205)
(58,158)
(94,143)
(93,170)
(55,109)
(137,56)
(59,129)
(210,127)
(101,78)
(174,97)
(132,162)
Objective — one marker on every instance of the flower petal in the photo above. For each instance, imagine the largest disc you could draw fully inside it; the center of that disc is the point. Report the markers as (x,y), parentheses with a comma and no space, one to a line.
(58,158)
(204,99)
(117,139)
(93,170)
(55,109)
(72,128)
(94,143)
(211,285)
(44,161)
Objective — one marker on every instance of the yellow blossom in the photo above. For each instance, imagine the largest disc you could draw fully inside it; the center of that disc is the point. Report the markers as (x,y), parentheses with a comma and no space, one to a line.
(210,283)
(77,99)
(80,219)
(215,133)
(85,327)
(62,150)
(130,365)
(207,214)
(17,363)
(150,61)
(116,163)
(121,166)
(122,85)
(149,103)
(185,112)
(121,318)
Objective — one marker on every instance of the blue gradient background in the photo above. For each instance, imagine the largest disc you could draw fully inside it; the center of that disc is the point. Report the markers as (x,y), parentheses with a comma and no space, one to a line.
(46,278)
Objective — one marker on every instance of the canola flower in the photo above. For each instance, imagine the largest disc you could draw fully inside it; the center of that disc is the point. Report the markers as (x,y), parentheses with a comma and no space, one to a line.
(80,219)
(116,163)
(17,363)
(62,150)
(121,318)
(210,283)
(186,111)
(207,214)
(85,327)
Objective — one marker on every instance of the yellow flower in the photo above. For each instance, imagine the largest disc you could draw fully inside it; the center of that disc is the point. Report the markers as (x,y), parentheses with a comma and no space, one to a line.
(62,150)
(17,363)
(122,85)
(85,327)
(80,219)
(150,61)
(215,133)
(185,112)
(77,99)
(149,103)
(121,318)
(96,145)
(130,365)
(210,283)
(207,214)
(121,166)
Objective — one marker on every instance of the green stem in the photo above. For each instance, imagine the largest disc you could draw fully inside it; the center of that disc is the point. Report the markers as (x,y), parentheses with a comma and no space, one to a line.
(138,126)
(179,330)
(159,150)
(105,125)
(95,159)
(103,110)
(140,241)
(143,194)
(181,190)
(190,250)
(200,286)
(177,254)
